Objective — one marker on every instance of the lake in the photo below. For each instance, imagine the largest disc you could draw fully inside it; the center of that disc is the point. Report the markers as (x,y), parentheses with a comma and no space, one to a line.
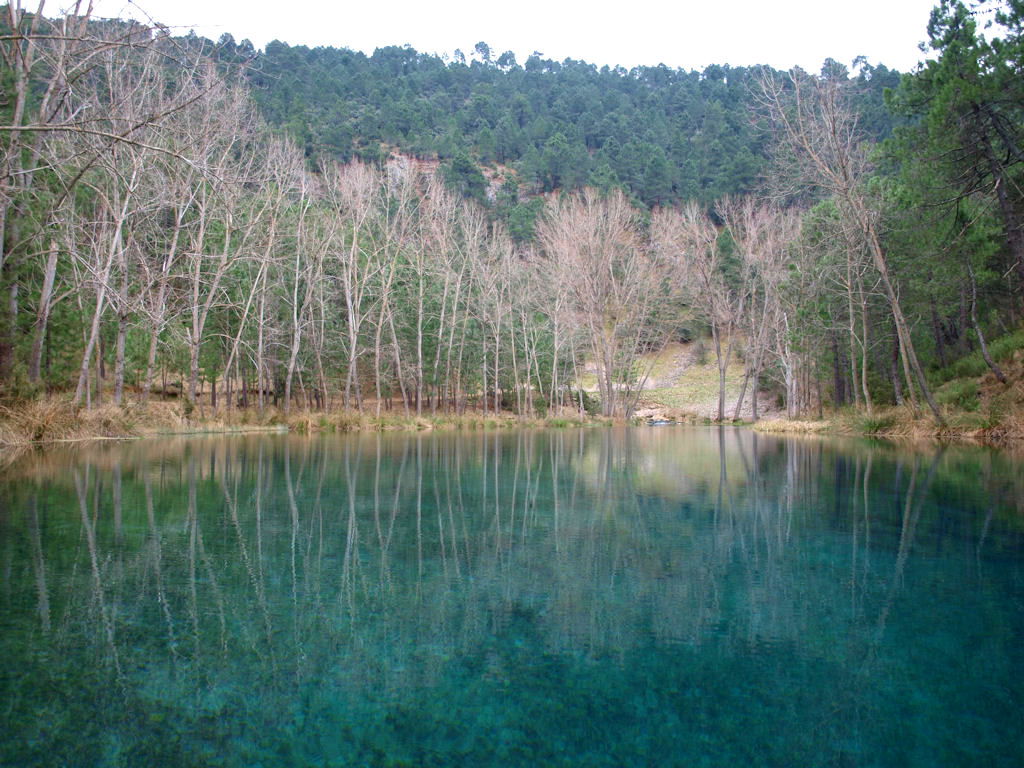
(600,597)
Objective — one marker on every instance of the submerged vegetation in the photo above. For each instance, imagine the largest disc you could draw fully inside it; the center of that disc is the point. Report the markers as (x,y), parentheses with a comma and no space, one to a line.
(182,225)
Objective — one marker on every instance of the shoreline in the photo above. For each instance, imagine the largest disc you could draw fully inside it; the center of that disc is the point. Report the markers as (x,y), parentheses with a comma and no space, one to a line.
(921,429)
(54,422)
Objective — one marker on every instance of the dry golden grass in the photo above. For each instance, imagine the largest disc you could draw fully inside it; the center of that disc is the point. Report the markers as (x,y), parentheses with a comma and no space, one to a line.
(56,419)
(978,409)
(900,423)
(793,427)
(44,420)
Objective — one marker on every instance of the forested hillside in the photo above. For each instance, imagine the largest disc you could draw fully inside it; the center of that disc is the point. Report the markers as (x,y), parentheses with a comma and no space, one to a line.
(664,135)
(303,228)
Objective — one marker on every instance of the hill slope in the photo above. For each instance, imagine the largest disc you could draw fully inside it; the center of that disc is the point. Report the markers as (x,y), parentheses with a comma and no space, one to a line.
(663,134)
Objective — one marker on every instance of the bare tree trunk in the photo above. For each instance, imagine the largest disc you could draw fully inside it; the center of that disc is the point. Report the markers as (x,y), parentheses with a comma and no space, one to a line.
(483,375)
(261,384)
(293,356)
(838,378)
(98,371)
(722,364)
(43,314)
(318,345)
(579,381)
(398,364)
(497,372)
(516,384)
(377,354)
(7,345)
(101,294)
(122,331)
(750,377)
(894,374)
(298,315)
(753,394)
(435,399)
(154,340)
(245,387)
(854,378)
(554,398)
(864,347)
(977,327)
(379,331)
(451,384)
(159,317)
(743,392)
(419,343)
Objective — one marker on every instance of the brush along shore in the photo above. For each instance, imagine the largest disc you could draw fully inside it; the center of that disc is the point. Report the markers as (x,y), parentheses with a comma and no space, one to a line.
(56,419)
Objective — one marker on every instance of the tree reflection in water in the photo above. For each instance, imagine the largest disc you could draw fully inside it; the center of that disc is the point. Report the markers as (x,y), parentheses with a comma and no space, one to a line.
(510,597)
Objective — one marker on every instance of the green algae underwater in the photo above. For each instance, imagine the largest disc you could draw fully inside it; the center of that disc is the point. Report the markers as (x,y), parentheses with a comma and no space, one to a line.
(599,597)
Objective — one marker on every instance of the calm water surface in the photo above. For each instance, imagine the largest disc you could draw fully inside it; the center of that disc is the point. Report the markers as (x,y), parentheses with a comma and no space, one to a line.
(627,597)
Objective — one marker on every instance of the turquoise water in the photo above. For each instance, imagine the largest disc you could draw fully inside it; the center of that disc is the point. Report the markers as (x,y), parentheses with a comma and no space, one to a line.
(634,597)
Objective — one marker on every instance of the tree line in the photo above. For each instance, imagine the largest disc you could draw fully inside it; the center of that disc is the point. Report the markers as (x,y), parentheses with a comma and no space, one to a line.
(160,236)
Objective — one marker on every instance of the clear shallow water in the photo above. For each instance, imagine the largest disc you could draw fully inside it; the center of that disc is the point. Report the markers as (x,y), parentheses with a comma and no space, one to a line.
(628,597)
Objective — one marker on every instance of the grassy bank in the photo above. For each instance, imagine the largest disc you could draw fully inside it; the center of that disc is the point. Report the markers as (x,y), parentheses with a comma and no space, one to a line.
(995,414)
(683,387)
(56,419)
(976,406)
(901,423)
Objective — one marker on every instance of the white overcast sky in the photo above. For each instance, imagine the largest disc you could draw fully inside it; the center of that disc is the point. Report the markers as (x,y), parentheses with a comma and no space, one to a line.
(686,34)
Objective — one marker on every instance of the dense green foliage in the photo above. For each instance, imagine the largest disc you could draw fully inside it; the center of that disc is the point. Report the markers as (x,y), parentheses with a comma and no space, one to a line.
(960,157)
(662,134)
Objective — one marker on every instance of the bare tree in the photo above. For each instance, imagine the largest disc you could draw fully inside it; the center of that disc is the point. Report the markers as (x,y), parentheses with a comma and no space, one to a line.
(789,277)
(819,145)
(763,236)
(93,105)
(107,239)
(358,193)
(223,130)
(616,288)
(314,237)
(689,239)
